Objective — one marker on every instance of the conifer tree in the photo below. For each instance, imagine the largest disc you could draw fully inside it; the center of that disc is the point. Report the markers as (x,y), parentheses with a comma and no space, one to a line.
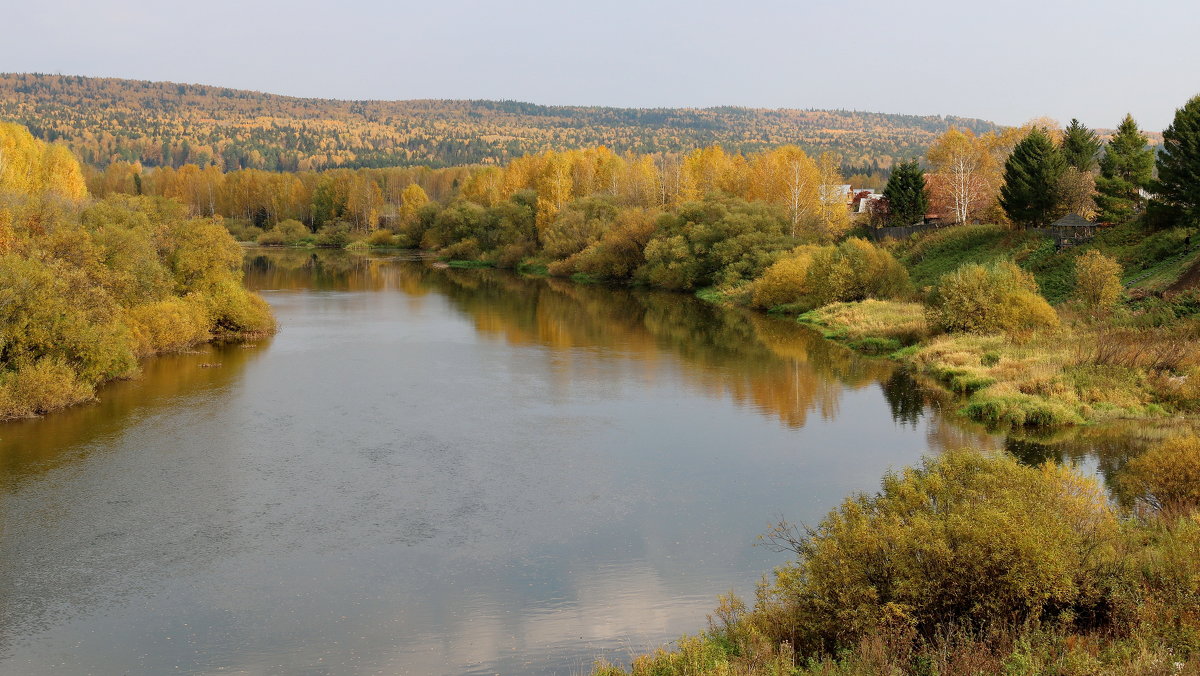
(1127,167)
(905,192)
(1178,184)
(1031,178)
(1080,146)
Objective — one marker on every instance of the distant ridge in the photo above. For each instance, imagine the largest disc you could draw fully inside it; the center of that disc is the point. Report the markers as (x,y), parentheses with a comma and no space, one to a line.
(164,123)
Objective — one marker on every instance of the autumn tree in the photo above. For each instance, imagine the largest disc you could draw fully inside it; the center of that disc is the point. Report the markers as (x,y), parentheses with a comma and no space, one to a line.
(964,168)
(787,176)
(906,195)
(411,201)
(1076,193)
(1031,178)
(1125,170)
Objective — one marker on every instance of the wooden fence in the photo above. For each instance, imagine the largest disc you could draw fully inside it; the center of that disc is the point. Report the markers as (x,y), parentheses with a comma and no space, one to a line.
(902,231)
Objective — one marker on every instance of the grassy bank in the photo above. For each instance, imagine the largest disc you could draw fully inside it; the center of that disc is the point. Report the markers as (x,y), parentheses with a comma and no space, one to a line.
(1137,359)
(1080,372)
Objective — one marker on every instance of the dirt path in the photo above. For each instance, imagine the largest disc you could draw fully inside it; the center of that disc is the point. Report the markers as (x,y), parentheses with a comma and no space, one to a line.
(1188,280)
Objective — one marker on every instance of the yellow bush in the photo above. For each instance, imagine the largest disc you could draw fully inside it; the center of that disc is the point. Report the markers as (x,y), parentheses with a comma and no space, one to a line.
(233,311)
(1097,281)
(1001,298)
(819,275)
(854,270)
(381,237)
(167,326)
(86,289)
(1167,477)
(618,252)
(41,386)
(786,281)
(966,540)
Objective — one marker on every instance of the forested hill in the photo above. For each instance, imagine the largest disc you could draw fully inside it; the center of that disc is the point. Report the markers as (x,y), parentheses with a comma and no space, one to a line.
(160,123)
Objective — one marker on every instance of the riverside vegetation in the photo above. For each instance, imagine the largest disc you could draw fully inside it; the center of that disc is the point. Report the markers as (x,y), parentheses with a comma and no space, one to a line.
(89,286)
(971,563)
(1028,334)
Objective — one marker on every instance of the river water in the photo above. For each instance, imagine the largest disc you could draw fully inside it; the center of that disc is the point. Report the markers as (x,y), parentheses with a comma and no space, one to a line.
(433,471)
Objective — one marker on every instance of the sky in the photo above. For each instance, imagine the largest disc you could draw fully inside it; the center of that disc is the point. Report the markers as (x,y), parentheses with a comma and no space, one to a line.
(1002,61)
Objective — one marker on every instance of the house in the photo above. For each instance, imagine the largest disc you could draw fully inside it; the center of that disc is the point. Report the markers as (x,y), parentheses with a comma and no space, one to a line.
(864,200)
(832,194)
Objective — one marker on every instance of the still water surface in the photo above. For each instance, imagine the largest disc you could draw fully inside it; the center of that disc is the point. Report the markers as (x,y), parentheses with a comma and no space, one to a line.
(433,472)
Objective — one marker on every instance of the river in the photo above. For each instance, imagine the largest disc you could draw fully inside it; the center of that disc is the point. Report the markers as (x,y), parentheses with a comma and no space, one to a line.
(435,471)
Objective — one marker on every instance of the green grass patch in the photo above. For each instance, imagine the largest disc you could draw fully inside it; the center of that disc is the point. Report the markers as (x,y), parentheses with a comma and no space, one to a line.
(471,264)
(930,256)
(875,345)
(538,269)
(1019,410)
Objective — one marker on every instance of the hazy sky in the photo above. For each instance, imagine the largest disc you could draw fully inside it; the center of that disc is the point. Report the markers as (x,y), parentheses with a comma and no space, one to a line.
(1004,61)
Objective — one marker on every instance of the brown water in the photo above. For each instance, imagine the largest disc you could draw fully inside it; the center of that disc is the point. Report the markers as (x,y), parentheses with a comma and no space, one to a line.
(435,471)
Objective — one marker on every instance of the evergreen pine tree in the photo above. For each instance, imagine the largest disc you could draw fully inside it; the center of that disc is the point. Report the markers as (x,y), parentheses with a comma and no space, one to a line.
(1127,166)
(1031,179)
(1080,146)
(905,192)
(1178,184)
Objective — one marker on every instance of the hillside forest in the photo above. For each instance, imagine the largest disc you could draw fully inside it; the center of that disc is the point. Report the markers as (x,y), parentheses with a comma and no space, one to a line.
(104,120)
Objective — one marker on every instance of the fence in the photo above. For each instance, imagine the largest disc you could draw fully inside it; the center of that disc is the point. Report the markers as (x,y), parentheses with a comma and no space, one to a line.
(902,231)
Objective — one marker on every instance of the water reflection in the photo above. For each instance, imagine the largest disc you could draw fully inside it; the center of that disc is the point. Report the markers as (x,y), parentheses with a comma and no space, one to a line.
(766,363)
(34,445)
(439,471)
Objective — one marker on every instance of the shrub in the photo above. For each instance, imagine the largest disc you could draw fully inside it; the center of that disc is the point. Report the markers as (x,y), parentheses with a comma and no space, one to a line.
(455,223)
(618,253)
(786,281)
(336,235)
(270,238)
(577,226)
(999,298)
(463,250)
(510,255)
(287,232)
(966,540)
(1167,477)
(714,243)
(1097,281)
(855,270)
(235,312)
(814,276)
(39,387)
(168,325)
(381,238)
(241,229)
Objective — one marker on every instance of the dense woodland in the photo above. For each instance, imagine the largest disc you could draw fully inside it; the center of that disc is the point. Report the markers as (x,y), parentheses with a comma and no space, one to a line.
(166,124)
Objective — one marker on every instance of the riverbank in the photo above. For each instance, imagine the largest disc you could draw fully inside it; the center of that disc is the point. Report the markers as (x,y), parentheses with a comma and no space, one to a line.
(1079,373)
(1073,364)
(972,563)
(89,287)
